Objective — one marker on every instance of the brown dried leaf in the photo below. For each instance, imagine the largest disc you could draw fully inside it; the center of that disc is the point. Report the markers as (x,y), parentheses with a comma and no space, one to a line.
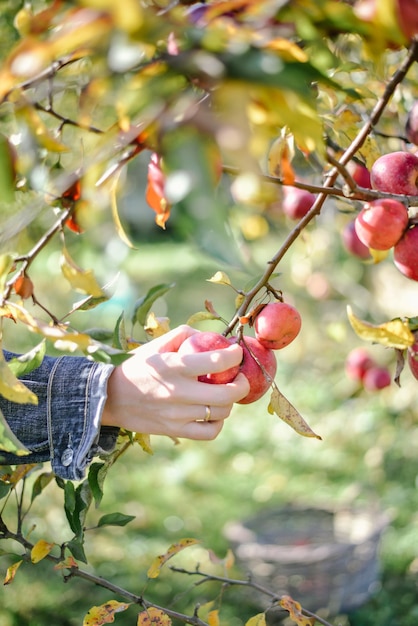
(287,412)
(153,617)
(295,612)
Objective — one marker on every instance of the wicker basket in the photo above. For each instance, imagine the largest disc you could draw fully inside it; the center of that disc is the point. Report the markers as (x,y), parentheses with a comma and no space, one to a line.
(324,559)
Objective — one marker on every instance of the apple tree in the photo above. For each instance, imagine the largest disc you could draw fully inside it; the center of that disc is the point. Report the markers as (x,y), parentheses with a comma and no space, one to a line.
(229,110)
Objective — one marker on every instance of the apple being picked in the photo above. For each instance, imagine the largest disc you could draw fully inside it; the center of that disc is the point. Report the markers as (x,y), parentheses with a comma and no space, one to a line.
(381,223)
(396,172)
(204,342)
(296,202)
(259,365)
(405,254)
(277,325)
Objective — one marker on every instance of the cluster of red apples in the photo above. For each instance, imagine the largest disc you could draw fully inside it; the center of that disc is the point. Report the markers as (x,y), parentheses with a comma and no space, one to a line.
(360,366)
(385,223)
(275,327)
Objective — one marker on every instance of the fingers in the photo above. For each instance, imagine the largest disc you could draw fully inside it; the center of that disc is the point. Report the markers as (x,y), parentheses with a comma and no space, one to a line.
(212,361)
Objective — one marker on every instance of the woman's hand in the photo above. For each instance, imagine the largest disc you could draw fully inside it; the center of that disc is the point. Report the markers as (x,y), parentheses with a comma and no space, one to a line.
(156,391)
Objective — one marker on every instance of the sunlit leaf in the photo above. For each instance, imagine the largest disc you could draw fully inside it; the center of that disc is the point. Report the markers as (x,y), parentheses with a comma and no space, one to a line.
(7,173)
(220,278)
(257,620)
(153,617)
(79,279)
(295,612)
(156,326)
(26,363)
(287,412)
(115,519)
(105,613)
(175,548)
(39,129)
(201,316)
(11,572)
(393,334)
(13,389)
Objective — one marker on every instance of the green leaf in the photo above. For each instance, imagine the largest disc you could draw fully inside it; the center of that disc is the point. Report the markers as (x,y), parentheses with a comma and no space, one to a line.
(115,519)
(107,354)
(7,175)
(76,547)
(8,440)
(40,483)
(119,334)
(96,476)
(26,363)
(143,305)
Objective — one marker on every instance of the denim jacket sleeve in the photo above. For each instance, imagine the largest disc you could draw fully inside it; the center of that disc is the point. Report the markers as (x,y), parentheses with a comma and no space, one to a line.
(64,427)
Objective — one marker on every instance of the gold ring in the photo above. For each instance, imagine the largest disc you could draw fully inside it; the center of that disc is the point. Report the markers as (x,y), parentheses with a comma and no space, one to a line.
(207,416)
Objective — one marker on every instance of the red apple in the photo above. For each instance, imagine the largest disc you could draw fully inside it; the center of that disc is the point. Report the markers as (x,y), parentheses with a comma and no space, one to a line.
(405,254)
(396,172)
(413,358)
(381,223)
(352,242)
(411,128)
(407,12)
(259,366)
(359,173)
(357,363)
(204,342)
(376,378)
(296,202)
(277,325)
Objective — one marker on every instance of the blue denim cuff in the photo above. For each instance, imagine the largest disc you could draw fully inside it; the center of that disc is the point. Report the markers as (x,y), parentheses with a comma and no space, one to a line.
(64,427)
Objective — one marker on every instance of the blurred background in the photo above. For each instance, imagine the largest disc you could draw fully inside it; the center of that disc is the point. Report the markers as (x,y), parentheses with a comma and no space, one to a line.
(367,456)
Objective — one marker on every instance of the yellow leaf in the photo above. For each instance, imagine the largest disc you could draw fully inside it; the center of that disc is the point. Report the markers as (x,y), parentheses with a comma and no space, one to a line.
(39,129)
(153,617)
(156,326)
(105,613)
(257,620)
(213,618)
(79,279)
(20,472)
(6,262)
(144,441)
(12,388)
(220,278)
(40,550)
(11,572)
(155,568)
(287,412)
(115,212)
(62,339)
(288,50)
(201,316)
(280,156)
(393,334)
(295,612)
